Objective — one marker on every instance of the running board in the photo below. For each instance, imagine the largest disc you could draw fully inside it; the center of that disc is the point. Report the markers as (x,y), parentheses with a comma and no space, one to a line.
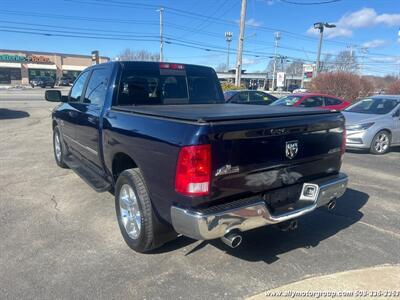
(93,179)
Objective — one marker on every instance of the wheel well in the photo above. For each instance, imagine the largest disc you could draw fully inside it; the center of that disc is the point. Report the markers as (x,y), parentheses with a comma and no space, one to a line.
(387,130)
(122,162)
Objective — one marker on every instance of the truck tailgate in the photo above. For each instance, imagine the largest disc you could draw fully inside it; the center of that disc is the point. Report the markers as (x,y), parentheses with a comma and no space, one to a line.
(252,156)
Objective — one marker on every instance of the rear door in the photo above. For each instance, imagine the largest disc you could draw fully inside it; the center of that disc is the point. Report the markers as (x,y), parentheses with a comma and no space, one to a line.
(241,97)
(260,98)
(89,109)
(333,103)
(313,101)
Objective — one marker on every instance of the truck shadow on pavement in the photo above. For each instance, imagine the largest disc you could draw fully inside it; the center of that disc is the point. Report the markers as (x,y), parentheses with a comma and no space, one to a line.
(7,114)
(267,243)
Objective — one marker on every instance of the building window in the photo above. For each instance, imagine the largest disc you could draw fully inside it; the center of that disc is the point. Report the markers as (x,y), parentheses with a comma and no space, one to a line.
(71,74)
(33,73)
(9,74)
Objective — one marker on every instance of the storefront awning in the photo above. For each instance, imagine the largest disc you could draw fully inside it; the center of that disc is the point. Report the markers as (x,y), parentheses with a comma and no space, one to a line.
(73,68)
(41,66)
(10,65)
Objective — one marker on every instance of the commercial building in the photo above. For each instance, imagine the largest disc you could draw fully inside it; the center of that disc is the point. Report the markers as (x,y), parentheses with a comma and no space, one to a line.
(262,80)
(18,67)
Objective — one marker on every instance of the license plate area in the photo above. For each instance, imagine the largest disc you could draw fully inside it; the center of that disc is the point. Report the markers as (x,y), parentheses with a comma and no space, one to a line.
(288,198)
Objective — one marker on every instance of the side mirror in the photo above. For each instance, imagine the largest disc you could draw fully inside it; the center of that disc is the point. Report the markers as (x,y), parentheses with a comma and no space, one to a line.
(54,96)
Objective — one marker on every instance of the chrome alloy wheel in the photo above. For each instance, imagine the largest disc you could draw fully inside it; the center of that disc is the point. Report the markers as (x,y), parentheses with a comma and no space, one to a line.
(57,146)
(381,143)
(130,212)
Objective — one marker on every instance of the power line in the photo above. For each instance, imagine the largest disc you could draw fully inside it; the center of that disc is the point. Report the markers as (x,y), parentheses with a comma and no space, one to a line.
(188,14)
(128,34)
(310,3)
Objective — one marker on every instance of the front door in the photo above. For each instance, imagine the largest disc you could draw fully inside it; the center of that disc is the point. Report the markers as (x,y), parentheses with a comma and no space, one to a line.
(68,115)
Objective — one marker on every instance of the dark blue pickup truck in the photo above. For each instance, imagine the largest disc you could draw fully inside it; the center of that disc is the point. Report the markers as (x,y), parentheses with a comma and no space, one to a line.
(180,160)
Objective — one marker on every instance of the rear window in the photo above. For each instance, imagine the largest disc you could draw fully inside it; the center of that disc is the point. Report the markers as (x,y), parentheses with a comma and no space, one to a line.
(167,87)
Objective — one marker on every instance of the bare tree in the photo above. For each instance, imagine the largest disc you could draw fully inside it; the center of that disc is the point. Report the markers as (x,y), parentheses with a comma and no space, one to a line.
(138,55)
(327,63)
(394,87)
(295,68)
(270,67)
(221,67)
(345,61)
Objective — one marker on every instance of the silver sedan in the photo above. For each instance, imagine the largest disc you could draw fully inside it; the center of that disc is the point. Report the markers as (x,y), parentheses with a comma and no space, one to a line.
(373,123)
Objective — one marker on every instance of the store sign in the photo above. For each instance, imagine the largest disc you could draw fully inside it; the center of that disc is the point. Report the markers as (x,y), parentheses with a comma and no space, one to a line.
(280,79)
(25,59)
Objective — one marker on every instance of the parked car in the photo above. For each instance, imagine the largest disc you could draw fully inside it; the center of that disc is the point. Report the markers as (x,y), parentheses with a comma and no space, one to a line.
(249,97)
(292,87)
(65,81)
(300,90)
(42,81)
(312,100)
(373,123)
(180,160)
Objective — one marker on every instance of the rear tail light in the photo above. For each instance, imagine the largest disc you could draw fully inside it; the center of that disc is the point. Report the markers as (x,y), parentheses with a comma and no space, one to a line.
(193,170)
(343,146)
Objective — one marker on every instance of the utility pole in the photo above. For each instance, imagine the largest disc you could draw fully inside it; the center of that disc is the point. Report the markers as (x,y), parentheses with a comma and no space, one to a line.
(240,43)
(277,38)
(320,26)
(228,38)
(161,10)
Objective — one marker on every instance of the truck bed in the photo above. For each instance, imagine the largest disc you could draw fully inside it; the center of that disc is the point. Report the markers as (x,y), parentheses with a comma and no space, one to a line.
(202,113)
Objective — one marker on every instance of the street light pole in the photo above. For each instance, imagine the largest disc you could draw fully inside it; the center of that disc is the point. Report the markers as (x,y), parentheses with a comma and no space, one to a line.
(240,44)
(228,38)
(161,10)
(320,26)
(277,38)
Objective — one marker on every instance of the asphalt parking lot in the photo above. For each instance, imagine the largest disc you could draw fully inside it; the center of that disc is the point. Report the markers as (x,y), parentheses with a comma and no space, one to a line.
(60,239)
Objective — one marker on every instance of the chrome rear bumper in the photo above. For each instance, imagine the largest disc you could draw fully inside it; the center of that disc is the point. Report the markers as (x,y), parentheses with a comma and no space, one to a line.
(202,225)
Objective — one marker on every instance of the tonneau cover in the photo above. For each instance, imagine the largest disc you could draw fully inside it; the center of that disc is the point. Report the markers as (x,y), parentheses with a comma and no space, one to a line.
(218,112)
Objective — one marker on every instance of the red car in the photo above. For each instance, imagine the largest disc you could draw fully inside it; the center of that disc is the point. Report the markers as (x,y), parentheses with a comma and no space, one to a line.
(312,100)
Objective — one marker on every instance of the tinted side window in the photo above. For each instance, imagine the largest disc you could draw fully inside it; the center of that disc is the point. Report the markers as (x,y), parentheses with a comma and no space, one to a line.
(76,90)
(243,97)
(97,87)
(312,102)
(256,96)
(332,101)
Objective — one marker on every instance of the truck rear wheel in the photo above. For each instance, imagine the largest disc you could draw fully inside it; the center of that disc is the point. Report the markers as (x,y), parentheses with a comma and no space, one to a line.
(134,211)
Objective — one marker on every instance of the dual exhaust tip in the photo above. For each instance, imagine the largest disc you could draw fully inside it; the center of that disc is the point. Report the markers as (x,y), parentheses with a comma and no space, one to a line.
(233,239)
(331,205)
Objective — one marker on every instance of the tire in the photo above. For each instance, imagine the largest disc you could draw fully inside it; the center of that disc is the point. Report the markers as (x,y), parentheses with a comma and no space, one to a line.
(59,148)
(380,143)
(33,86)
(135,215)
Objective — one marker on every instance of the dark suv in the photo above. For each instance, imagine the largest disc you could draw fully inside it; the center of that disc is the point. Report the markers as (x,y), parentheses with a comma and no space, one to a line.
(65,81)
(42,81)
